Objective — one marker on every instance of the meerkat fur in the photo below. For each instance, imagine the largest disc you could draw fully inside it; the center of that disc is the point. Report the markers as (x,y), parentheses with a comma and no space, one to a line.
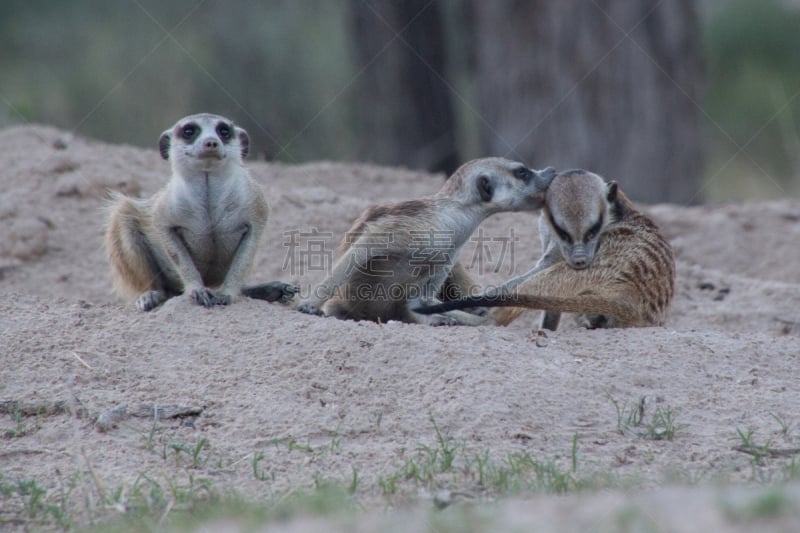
(399,256)
(198,234)
(603,260)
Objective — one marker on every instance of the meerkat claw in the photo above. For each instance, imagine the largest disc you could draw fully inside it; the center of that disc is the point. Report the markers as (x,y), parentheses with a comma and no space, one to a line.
(208,298)
(310,310)
(288,293)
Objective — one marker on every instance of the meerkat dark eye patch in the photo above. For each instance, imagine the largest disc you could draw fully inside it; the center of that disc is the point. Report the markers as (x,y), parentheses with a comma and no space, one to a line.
(485,188)
(189,131)
(225,132)
(524,174)
(594,230)
(563,235)
(561,232)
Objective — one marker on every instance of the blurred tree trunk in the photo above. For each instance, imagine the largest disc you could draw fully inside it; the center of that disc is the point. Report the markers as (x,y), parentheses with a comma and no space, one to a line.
(403,114)
(560,84)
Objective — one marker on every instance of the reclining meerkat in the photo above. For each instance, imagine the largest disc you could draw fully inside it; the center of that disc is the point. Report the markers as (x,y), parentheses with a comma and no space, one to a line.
(200,232)
(602,259)
(570,227)
(399,256)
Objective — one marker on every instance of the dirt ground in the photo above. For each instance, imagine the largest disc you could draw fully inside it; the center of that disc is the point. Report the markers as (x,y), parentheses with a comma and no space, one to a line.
(311,398)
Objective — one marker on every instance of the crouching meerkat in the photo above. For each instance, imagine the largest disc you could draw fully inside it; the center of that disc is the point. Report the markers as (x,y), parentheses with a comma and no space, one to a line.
(603,260)
(399,256)
(200,232)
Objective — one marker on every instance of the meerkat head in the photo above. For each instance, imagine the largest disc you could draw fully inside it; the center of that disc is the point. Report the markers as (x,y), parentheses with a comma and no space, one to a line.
(497,184)
(578,208)
(203,143)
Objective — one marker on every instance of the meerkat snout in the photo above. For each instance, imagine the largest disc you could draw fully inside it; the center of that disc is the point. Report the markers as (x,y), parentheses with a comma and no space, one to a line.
(211,144)
(579,262)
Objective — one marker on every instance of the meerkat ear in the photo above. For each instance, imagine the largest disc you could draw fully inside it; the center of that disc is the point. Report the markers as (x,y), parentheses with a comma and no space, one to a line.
(244,141)
(163,144)
(611,191)
(485,188)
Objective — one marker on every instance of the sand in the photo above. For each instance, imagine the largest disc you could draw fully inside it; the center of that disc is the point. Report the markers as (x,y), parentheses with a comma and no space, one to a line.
(318,398)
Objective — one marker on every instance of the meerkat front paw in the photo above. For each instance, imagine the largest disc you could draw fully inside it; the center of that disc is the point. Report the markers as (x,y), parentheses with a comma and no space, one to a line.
(150,300)
(221,298)
(310,309)
(208,298)
(443,320)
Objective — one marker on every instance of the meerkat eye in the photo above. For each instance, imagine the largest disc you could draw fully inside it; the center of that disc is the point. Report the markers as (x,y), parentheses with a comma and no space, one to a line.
(594,230)
(523,173)
(189,131)
(224,131)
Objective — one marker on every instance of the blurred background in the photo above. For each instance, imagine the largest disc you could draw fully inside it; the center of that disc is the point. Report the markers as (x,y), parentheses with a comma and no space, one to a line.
(683,101)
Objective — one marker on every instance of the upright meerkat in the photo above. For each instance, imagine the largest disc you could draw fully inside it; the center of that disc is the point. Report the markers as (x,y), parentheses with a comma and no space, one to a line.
(200,232)
(602,259)
(399,256)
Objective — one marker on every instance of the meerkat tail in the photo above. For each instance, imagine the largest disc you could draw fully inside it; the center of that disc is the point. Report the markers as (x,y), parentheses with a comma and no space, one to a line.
(273,291)
(573,304)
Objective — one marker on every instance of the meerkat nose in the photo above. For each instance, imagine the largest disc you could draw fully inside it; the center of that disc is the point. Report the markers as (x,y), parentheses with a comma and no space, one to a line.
(580,262)
(211,143)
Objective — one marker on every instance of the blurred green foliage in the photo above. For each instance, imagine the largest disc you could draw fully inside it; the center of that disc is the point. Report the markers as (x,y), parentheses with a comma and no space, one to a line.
(124,71)
(752,52)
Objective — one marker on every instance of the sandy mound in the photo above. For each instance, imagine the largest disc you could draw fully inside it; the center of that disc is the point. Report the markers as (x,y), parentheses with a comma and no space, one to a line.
(321,397)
